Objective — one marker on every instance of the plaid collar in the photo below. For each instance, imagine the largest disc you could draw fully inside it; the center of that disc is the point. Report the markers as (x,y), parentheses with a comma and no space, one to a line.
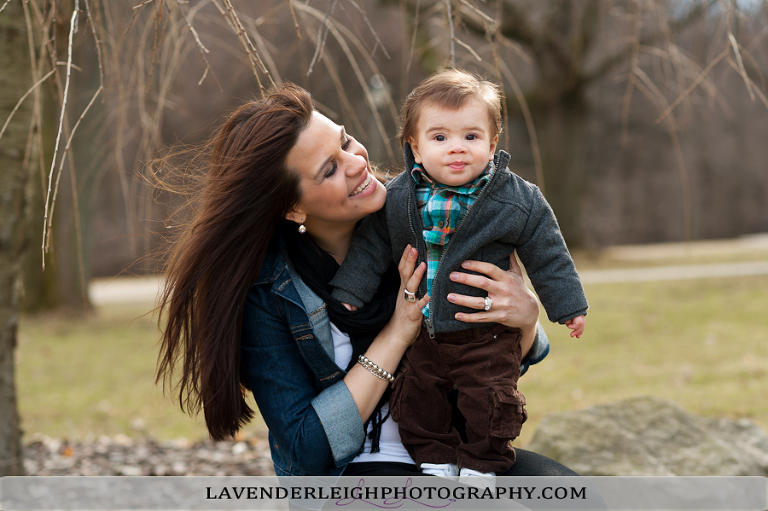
(442,209)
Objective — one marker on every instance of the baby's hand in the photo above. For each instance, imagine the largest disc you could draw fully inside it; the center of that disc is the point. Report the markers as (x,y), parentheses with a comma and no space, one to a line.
(349,307)
(577,325)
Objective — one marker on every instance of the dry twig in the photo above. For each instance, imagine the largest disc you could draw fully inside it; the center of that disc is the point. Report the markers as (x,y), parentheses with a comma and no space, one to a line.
(50,200)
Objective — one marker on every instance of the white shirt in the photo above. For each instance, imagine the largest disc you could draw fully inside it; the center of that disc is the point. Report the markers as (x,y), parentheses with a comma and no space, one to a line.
(390,446)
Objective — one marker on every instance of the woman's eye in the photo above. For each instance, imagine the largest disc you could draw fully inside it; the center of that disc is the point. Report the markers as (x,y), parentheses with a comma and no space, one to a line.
(332,170)
(346,144)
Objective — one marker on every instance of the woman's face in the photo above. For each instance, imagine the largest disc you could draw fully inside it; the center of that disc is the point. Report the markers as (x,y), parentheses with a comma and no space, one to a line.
(337,185)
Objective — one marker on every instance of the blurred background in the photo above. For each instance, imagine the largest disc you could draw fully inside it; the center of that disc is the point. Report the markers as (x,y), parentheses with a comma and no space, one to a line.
(643,121)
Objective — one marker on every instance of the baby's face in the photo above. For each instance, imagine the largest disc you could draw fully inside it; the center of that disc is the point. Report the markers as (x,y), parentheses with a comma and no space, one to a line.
(454,146)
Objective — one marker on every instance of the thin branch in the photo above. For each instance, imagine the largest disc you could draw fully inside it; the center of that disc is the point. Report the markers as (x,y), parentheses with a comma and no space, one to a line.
(371,29)
(694,84)
(31,89)
(335,30)
(295,22)
(322,35)
(413,38)
(520,96)
(468,48)
(634,64)
(201,48)
(97,43)
(649,89)
(741,69)
(452,36)
(6,3)
(756,89)
(72,24)
(76,201)
(250,49)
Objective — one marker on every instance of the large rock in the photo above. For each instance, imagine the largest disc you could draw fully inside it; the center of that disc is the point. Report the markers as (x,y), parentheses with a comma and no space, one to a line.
(651,436)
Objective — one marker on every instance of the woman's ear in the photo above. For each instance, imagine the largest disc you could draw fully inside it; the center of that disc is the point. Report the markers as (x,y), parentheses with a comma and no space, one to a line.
(296,215)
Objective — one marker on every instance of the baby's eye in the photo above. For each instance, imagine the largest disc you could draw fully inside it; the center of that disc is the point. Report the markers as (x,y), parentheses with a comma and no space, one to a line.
(440,138)
(471,136)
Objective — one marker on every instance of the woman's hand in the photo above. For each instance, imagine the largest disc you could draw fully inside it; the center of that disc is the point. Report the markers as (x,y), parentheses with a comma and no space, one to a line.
(390,345)
(513,304)
(406,321)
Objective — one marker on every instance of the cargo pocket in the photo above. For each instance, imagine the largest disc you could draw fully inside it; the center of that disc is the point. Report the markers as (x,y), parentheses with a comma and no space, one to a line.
(507,412)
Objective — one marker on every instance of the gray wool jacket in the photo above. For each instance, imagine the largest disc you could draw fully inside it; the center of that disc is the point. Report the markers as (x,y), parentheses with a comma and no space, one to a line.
(509,214)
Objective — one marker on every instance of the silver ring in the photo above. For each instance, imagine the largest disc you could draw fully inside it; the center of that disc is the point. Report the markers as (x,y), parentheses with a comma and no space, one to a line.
(488,303)
(409,297)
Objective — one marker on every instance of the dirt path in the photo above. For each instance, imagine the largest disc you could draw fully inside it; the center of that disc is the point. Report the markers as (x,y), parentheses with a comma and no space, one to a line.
(145,289)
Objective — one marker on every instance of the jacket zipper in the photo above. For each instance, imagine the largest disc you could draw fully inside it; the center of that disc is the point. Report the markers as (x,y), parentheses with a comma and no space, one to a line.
(423,250)
(430,327)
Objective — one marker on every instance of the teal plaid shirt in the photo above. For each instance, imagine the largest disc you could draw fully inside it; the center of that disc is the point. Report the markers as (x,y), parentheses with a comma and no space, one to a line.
(442,209)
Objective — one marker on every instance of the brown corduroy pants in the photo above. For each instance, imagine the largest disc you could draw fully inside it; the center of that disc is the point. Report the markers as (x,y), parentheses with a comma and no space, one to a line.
(484,364)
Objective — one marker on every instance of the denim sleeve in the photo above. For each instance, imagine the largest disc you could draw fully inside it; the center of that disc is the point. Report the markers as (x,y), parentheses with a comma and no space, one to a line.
(298,415)
(538,351)
(341,421)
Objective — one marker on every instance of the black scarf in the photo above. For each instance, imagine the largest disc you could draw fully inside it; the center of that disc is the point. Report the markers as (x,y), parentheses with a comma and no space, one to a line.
(316,267)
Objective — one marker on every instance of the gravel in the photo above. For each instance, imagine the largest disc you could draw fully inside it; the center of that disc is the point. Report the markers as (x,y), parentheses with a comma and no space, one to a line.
(122,455)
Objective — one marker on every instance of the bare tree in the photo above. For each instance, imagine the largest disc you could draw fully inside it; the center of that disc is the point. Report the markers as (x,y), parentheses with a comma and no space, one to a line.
(125,76)
(15,162)
(550,55)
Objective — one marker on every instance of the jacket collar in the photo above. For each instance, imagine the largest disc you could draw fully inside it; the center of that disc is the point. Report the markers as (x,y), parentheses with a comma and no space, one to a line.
(275,262)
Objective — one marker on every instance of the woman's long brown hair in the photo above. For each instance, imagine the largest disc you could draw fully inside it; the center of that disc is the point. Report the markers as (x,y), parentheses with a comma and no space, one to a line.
(246,194)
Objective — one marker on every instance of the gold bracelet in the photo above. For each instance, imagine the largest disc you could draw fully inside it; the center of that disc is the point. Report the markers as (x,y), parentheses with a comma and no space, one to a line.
(374,369)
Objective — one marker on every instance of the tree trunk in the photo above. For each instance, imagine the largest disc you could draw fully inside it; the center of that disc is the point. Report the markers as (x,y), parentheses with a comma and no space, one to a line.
(560,129)
(63,284)
(15,79)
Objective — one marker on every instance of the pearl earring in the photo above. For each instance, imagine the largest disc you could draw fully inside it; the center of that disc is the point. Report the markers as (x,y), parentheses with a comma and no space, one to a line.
(302,229)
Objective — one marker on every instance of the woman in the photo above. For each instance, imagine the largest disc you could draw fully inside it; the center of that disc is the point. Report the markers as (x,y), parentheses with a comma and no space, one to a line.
(247,305)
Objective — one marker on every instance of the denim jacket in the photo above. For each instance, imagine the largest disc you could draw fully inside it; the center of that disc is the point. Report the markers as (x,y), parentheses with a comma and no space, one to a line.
(286,355)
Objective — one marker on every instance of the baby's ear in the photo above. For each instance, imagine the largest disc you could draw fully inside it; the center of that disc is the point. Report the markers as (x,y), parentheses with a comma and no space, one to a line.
(494,143)
(415,150)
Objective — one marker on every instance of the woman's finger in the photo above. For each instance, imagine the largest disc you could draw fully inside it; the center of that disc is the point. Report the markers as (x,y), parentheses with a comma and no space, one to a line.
(514,266)
(489,269)
(407,263)
(477,281)
(412,285)
(473,302)
(477,317)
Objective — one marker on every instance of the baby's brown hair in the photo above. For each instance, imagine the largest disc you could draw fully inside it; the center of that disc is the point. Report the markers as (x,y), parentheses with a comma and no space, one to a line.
(450,89)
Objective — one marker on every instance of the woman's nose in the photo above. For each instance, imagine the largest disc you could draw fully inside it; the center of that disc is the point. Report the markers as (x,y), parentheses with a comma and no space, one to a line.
(356,164)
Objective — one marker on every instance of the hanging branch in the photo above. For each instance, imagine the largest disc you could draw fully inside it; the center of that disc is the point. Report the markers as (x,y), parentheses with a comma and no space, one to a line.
(72,26)
(323,34)
(295,22)
(201,48)
(450,30)
(18,104)
(97,43)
